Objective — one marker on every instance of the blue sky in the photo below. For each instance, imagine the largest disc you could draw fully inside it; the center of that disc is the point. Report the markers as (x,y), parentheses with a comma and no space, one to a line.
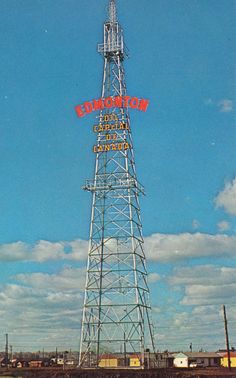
(181,57)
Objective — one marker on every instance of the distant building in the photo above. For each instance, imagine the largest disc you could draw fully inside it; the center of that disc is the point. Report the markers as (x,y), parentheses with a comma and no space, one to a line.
(57,361)
(108,361)
(36,364)
(71,362)
(196,359)
(134,360)
(162,360)
(224,359)
(180,360)
(20,363)
(4,362)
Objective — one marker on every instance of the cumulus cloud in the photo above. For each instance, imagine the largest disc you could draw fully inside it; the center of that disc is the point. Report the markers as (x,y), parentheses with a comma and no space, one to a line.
(225,105)
(35,305)
(205,284)
(200,318)
(201,291)
(203,274)
(195,224)
(223,226)
(211,294)
(172,248)
(194,325)
(165,248)
(227,198)
(43,250)
(14,251)
(68,279)
(39,305)
(153,277)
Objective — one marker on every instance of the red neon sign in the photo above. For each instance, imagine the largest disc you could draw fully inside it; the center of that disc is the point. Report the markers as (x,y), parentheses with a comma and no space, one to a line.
(111,102)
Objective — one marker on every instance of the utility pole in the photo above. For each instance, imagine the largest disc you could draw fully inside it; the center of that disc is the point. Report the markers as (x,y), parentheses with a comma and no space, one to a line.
(11,352)
(227,337)
(6,349)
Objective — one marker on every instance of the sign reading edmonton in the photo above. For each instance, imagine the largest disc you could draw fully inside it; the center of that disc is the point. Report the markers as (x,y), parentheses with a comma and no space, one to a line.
(111,102)
(110,122)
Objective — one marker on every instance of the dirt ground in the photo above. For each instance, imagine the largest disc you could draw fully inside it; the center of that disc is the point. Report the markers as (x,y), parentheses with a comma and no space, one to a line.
(104,373)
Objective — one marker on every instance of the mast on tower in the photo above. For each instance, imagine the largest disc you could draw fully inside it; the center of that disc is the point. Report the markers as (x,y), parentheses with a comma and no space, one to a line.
(116,313)
(112,11)
(113,42)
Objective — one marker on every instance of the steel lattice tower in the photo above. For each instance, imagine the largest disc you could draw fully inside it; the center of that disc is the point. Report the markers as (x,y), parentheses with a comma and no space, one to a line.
(116,313)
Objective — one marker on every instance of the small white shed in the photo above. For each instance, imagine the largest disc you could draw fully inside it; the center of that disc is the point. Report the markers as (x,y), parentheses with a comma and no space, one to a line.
(180,360)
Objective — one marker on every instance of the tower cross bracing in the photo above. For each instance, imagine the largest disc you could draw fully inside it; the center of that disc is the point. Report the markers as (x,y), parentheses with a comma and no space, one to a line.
(116,313)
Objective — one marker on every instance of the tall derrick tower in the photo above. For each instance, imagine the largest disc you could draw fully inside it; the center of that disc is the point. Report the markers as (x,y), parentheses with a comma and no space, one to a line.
(116,314)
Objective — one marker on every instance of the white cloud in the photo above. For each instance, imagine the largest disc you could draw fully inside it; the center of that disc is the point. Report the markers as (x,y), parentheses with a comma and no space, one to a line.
(200,292)
(153,277)
(202,326)
(195,224)
(227,198)
(205,284)
(79,250)
(165,248)
(203,275)
(223,226)
(38,305)
(68,279)
(14,251)
(172,248)
(205,295)
(225,105)
(43,250)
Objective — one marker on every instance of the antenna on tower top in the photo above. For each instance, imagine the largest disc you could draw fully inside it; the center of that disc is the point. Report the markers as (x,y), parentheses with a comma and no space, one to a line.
(112,11)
